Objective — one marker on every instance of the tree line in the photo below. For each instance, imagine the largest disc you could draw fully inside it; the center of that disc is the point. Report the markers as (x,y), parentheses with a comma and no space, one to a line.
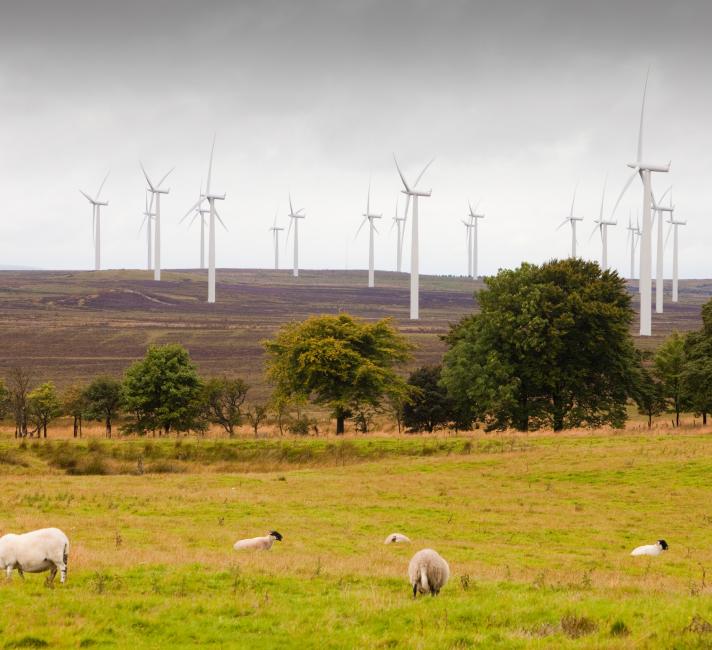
(550,347)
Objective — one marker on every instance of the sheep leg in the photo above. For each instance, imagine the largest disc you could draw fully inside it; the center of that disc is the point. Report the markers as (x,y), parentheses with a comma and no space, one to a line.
(8,571)
(50,577)
(415,590)
(20,571)
(62,573)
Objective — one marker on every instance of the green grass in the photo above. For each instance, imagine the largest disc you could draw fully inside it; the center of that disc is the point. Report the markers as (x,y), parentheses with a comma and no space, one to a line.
(537,533)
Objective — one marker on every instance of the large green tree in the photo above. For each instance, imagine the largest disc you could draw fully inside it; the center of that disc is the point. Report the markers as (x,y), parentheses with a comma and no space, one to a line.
(648,393)
(162,392)
(670,360)
(338,361)
(44,406)
(429,406)
(74,403)
(697,373)
(223,398)
(550,348)
(103,399)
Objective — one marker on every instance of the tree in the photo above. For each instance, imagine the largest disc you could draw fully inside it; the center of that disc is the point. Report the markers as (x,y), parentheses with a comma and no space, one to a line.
(669,363)
(256,414)
(19,381)
(338,361)
(430,407)
(697,373)
(550,348)
(103,399)
(74,403)
(224,397)
(648,394)
(44,406)
(163,392)
(280,406)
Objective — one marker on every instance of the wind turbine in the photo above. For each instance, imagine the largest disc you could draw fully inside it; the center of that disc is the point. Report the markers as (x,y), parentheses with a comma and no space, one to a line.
(275,237)
(469,226)
(572,220)
(633,233)
(414,260)
(674,224)
(212,211)
(370,217)
(199,213)
(148,217)
(399,222)
(659,280)
(294,219)
(602,226)
(475,216)
(644,169)
(96,221)
(156,192)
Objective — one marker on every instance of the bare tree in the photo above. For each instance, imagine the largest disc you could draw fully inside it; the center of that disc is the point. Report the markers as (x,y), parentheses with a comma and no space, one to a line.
(257,414)
(19,380)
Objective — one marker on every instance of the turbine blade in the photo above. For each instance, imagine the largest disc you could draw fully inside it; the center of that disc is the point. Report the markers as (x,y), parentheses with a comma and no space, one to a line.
(210,166)
(142,224)
(603,197)
(368,197)
(365,219)
(668,236)
(88,198)
(102,185)
(407,206)
(562,224)
(291,209)
(571,214)
(274,223)
(148,180)
(373,225)
(220,220)
(417,180)
(664,194)
(195,216)
(642,114)
(192,207)
(400,173)
(623,191)
(289,229)
(168,173)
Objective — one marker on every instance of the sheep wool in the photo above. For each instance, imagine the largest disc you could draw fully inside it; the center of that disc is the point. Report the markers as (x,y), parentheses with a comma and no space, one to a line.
(428,572)
(41,550)
(258,543)
(397,538)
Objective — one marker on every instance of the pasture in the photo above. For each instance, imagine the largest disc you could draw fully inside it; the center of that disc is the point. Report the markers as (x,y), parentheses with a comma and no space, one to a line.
(537,530)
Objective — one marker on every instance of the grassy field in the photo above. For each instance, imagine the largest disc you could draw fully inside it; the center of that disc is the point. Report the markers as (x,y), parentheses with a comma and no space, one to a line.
(71,326)
(537,530)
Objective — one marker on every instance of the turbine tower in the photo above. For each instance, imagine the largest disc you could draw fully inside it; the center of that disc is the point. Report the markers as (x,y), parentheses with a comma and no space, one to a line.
(275,238)
(633,233)
(674,224)
(469,226)
(659,258)
(96,221)
(602,226)
(212,211)
(148,218)
(398,223)
(199,213)
(370,217)
(475,216)
(156,192)
(414,251)
(572,220)
(294,219)
(644,170)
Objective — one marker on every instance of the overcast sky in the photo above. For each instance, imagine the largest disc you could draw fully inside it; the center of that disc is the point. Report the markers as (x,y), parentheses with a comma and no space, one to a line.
(518,101)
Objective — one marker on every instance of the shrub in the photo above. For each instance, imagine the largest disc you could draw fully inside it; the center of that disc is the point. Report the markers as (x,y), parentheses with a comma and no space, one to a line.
(576,626)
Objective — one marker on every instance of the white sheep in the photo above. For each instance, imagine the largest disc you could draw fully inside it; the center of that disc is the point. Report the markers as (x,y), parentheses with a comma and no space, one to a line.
(397,538)
(259,543)
(428,572)
(41,550)
(651,549)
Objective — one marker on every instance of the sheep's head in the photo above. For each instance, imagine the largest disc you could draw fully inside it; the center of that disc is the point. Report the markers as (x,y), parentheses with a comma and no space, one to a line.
(663,544)
(276,535)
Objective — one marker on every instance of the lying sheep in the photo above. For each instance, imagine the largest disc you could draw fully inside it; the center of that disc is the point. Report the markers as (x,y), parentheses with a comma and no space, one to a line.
(259,543)
(428,572)
(397,538)
(35,552)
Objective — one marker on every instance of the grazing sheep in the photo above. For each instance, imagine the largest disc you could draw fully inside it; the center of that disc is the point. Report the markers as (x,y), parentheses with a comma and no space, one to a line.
(651,549)
(40,550)
(397,538)
(259,543)
(428,572)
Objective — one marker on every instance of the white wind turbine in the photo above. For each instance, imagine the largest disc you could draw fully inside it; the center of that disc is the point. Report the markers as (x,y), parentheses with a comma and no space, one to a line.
(468,227)
(199,212)
(398,223)
(572,220)
(633,234)
(414,251)
(475,217)
(370,217)
(156,191)
(96,205)
(674,224)
(148,218)
(659,257)
(602,227)
(275,238)
(212,211)
(644,169)
(294,219)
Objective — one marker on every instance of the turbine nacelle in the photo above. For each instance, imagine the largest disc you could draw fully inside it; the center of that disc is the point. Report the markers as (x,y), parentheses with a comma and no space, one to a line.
(215,197)
(372,216)
(410,192)
(639,166)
